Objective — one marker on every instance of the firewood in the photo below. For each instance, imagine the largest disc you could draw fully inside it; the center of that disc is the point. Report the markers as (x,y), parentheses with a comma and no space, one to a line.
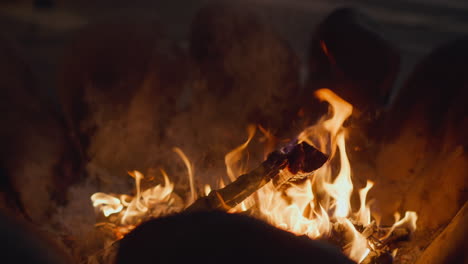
(300,159)
(450,246)
(340,236)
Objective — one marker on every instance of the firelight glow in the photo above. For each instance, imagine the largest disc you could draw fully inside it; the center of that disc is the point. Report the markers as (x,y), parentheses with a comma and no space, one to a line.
(312,207)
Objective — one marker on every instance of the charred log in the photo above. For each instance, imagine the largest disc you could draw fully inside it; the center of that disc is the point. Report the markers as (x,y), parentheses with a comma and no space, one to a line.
(301,159)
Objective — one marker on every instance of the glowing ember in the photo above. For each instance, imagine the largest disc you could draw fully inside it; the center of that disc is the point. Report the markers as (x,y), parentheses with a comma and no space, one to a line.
(316,206)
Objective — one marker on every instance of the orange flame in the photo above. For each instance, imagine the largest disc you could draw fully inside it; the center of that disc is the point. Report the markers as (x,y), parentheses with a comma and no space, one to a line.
(234,166)
(310,208)
(189,166)
(132,209)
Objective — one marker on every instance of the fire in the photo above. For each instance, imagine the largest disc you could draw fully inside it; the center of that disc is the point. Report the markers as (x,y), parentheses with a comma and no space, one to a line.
(233,160)
(319,204)
(316,207)
(132,210)
(305,214)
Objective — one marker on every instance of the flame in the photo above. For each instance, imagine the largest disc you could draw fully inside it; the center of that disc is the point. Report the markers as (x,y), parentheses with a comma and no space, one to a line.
(357,249)
(298,210)
(234,166)
(189,166)
(207,189)
(342,187)
(364,214)
(408,221)
(108,204)
(313,207)
(132,209)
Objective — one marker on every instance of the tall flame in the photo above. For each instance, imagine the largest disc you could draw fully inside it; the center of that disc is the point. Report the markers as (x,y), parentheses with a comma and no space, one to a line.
(233,160)
(189,166)
(298,210)
(313,207)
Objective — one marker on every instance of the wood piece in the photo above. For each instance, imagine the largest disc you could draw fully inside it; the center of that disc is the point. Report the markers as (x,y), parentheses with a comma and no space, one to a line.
(300,159)
(450,246)
(382,242)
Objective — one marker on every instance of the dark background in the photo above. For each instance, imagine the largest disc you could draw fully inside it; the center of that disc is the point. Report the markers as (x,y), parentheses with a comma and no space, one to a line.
(414,26)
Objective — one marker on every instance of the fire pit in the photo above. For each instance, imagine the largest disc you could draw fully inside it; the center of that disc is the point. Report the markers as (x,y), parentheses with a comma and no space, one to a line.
(294,189)
(146,149)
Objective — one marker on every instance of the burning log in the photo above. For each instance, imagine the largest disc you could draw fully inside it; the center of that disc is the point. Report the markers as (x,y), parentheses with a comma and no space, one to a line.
(450,246)
(349,54)
(299,160)
(382,239)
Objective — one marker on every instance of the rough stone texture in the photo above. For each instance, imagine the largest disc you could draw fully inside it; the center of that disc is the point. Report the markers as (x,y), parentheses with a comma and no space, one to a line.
(118,88)
(349,55)
(24,243)
(251,73)
(243,74)
(423,159)
(36,158)
(449,246)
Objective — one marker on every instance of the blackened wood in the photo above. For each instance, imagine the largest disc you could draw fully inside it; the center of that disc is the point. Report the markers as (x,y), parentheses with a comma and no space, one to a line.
(293,160)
